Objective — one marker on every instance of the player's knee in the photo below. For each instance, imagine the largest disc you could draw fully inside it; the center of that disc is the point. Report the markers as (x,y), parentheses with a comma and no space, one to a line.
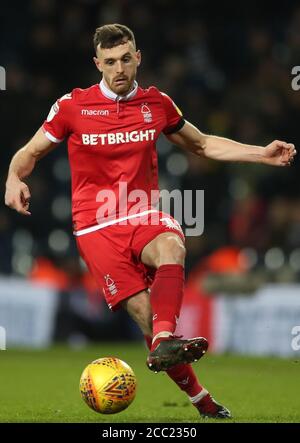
(172,251)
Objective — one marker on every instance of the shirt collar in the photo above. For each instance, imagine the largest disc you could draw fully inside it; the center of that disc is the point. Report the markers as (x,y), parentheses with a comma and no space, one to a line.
(113,96)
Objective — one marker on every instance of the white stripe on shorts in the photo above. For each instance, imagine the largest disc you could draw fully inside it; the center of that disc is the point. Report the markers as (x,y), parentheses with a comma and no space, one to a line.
(112,222)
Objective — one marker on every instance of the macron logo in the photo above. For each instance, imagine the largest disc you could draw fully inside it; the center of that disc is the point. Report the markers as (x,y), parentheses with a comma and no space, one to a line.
(94,112)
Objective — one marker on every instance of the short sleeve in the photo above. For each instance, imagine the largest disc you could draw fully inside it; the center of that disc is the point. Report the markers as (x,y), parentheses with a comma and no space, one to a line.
(174,119)
(56,126)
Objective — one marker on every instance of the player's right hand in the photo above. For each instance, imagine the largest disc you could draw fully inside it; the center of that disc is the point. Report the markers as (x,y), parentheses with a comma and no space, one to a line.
(17,196)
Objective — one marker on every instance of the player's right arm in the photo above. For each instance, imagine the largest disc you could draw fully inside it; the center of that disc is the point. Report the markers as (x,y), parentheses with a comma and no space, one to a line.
(17,193)
(55,128)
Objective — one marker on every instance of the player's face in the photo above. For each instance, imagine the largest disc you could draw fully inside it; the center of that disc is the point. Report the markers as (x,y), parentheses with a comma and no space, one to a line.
(118,66)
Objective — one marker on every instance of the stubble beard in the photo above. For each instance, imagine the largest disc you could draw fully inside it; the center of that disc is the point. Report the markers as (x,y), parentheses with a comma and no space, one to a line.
(123,89)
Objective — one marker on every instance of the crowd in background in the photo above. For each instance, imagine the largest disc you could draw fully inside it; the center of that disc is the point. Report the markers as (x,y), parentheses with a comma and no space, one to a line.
(229,71)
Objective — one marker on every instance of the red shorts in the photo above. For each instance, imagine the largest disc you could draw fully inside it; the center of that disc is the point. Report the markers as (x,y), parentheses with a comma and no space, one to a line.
(112,255)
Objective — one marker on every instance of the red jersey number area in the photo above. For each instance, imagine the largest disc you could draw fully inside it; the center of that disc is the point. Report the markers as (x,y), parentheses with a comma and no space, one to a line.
(113,254)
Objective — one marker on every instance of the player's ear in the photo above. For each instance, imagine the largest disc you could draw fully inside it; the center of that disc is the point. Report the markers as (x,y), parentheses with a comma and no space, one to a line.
(97,63)
(139,57)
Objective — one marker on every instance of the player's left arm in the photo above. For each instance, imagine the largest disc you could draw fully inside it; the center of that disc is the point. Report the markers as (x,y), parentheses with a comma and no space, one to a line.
(277,153)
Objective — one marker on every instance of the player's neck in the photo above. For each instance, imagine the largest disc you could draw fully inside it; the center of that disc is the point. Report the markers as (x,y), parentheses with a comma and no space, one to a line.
(113,96)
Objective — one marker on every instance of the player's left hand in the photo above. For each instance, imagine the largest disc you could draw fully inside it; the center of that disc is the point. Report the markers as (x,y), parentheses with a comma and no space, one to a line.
(279,153)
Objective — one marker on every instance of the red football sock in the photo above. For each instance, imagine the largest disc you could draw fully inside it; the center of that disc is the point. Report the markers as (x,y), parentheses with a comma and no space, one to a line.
(166,298)
(183,375)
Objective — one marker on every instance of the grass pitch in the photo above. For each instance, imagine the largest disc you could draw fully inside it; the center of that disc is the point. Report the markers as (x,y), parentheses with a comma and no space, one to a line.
(42,386)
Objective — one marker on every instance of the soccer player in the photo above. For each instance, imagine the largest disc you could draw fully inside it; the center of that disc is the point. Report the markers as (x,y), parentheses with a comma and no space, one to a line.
(112,128)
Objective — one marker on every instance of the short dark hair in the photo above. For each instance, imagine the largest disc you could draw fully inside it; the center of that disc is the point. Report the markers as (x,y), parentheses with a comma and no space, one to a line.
(112,35)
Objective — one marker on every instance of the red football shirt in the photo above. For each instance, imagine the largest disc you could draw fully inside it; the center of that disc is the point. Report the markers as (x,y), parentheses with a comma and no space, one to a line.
(111,148)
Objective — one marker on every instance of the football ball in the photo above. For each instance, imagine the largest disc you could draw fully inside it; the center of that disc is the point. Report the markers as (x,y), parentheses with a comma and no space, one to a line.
(108,385)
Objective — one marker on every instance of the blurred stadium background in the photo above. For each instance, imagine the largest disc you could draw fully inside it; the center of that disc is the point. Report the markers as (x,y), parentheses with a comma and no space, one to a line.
(229,70)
